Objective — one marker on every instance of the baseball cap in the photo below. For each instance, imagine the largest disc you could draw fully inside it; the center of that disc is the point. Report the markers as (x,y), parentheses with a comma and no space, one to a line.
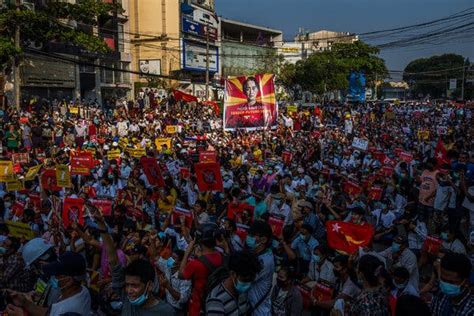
(69,263)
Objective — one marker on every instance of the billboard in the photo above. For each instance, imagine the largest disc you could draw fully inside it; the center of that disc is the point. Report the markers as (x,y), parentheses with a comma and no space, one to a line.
(250,102)
(150,66)
(356,91)
(194,57)
(198,29)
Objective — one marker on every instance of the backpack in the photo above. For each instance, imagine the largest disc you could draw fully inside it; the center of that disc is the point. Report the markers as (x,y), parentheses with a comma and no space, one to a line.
(217,274)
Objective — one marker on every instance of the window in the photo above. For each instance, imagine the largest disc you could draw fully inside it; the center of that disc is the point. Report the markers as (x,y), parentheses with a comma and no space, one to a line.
(121,43)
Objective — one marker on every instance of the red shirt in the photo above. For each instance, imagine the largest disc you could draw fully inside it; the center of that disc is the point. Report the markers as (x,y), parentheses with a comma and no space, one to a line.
(195,270)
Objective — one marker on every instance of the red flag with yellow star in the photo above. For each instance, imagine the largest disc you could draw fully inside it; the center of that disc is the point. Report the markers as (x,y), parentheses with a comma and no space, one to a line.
(348,237)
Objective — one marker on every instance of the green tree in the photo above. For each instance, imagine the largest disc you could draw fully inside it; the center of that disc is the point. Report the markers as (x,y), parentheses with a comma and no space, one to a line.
(53,22)
(431,75)
(329,70)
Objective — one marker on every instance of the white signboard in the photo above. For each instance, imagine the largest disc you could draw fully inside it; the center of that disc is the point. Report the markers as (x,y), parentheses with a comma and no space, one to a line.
(150,66)
(194,57)
(360,143)
(452,84)
(205,18)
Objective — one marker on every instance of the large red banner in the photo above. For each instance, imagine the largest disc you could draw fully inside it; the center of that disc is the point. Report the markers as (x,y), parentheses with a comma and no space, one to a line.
(73,211)
(104,205)
(250,102)
(152,171)
(48,180)
(209,176)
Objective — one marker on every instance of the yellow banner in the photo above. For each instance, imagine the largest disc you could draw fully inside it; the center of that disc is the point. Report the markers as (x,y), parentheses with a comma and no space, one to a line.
(20,230)
(172,129)
(15,185)
(6,171)
(292,108)
(423,134)
(74,110)
(32,172)
(162,141)
(137,152)
(113,154)
(63,177)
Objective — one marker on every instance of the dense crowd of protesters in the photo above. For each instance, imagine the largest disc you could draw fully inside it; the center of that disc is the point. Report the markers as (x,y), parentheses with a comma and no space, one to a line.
(140,259)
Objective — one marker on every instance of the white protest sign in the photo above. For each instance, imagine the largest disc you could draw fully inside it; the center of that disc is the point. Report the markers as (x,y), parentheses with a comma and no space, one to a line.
(360,143)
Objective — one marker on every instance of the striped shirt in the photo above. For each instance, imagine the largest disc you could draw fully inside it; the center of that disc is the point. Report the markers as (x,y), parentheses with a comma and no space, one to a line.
(221,302)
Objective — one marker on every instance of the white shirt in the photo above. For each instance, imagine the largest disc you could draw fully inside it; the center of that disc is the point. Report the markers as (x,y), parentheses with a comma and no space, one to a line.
(79,303)
(445,197)
(384,220)
(455,246)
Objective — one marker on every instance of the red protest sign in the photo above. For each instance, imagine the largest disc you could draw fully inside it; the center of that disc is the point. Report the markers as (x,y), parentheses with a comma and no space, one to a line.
(185,173)
(306,294)
(18,209)
(432,245)
(375,193)
(20,158)
(179,212)
(406,156)
(242,231)
(352,188)
(48,180)
(73,211)
(104,205)
(240,212)
(322,292)
(152,171)
(397,151)
(35,200)
(135,212)
(207,156)
(286,156)
(276,223)
(209,177)
(81,163)
(386,171)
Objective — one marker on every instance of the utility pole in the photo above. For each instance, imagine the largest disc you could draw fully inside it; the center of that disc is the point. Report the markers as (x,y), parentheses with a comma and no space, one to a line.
(207,61)
(463,78)
(16,63)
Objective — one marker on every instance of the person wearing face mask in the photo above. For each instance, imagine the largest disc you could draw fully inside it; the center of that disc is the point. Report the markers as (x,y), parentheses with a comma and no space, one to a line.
(67,273)
(277,206)
(320,267)
(401,286)
(455,297)
(302,248)
(133,283)
(286,298)
(259,240)
(177,291)
(231,297)
(451,242)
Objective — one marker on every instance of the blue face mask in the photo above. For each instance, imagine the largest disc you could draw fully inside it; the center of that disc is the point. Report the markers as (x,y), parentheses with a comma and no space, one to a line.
(251,242)
(139,300)
(54,282)
(170,262)
(161,235)
(275,244)
(395,247)
(400,286)
(316,258)
(444,236)
(449,289)
(3,251)
(242,287)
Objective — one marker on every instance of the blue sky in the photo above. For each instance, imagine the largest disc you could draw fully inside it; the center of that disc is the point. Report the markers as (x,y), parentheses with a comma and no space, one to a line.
(353,16)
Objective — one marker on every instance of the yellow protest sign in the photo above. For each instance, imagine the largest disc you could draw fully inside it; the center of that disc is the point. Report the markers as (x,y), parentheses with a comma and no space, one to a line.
(253,171)
(137,152)
(113,154)
(15,185)
(423,134)
(6,171)
(123,142)
(92,150)
(74,110)
(292,108)
(63,176)
(162,141)
(172,129)
(32,172)
(20,230)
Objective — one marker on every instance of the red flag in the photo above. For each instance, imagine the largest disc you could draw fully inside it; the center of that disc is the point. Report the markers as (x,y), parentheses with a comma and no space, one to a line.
(276,223)
(178,212)
(180,95)
(18,209)
(73,211)
(81,163)
(152,171)
(209,177)
(386,171)
(235,210)
(207,156)
(212,104)
(35,200)
(375,193)
(348,237)
(322,292)
(286,156)
(441,153)
(242,231)
(432,245)
(352,188)
(104,205)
